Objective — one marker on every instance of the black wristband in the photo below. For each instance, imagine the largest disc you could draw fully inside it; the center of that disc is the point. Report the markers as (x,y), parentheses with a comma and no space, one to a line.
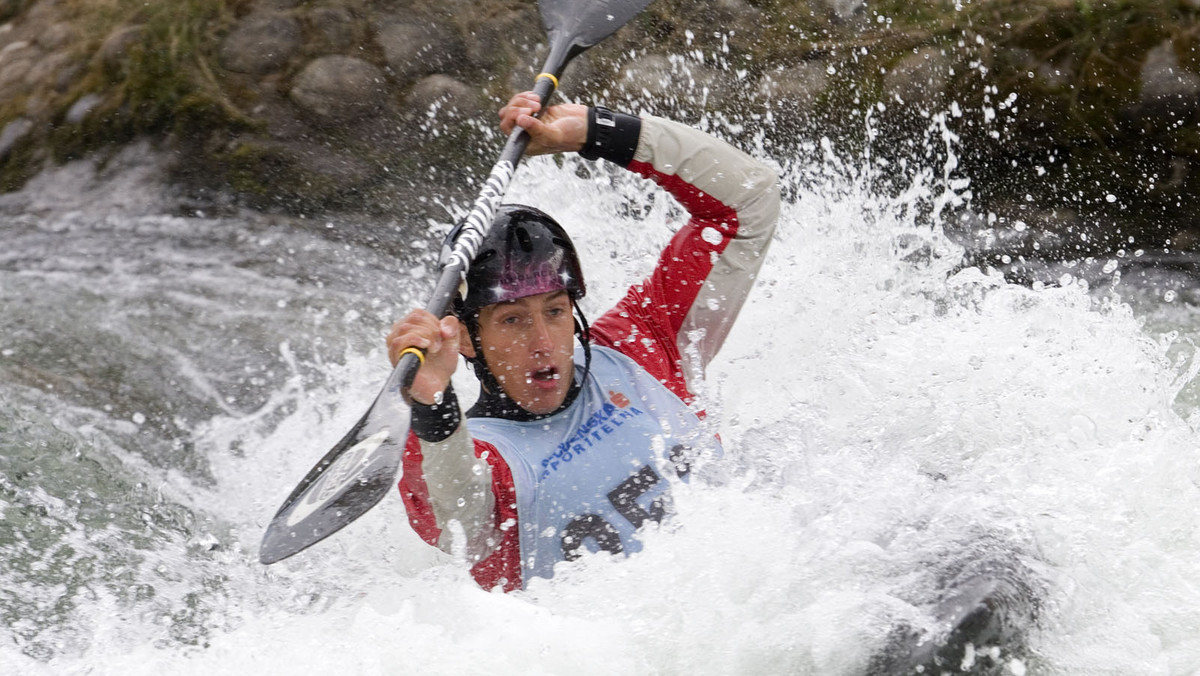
(436,422)
(611,136)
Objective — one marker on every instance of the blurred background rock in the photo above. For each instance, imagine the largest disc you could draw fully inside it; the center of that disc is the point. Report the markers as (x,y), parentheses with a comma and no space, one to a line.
(1075,120)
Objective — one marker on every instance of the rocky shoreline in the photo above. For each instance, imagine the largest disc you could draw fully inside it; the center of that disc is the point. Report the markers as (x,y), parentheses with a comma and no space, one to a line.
(1076,120)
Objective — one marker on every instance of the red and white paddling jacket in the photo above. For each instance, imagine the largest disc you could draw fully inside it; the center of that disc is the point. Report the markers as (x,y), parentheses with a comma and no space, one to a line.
(503,493)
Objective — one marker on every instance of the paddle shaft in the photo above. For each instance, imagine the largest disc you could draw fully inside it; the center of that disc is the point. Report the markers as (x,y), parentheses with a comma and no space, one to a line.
(354,475)
(454,269)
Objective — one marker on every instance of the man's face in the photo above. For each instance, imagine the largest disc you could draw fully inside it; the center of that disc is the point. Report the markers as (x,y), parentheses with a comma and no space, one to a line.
(527,344)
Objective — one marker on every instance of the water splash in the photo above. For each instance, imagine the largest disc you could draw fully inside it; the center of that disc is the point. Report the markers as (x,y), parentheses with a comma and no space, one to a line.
(887,413)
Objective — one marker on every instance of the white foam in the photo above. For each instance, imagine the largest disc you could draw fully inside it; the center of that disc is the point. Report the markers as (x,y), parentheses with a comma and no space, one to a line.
(877,414)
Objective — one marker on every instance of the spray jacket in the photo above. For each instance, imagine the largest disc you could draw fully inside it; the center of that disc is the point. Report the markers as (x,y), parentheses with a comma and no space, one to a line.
(515,497)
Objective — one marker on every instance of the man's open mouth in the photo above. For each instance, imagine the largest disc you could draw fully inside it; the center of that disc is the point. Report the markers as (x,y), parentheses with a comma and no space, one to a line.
(544,375)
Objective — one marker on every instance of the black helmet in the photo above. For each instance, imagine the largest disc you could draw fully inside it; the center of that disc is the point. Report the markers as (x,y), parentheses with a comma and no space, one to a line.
(525,252)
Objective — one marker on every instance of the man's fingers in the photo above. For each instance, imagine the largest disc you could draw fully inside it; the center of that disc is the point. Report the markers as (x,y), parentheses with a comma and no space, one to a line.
(520,105)
(526,100)
(418,329)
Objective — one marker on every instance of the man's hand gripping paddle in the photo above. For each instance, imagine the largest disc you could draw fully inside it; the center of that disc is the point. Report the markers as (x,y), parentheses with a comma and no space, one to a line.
(354,476)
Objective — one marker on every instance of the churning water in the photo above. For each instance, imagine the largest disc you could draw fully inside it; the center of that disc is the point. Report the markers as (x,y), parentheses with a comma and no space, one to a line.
(165,380)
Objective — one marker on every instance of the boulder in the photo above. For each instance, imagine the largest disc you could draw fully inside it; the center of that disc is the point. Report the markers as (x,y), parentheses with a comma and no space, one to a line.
(413,50)
(56,35)
(115,49)
(919,79)
(276,4)
(261,43)
(13,71)
(80,109)
(340,88)
(12,134)
(1167,89)
(795,89)
(494,42)
(682,84)
(843,9)
(445,94)
(333,29)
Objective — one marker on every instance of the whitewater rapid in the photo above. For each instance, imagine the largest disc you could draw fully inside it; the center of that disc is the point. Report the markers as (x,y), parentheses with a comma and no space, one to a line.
(883,409)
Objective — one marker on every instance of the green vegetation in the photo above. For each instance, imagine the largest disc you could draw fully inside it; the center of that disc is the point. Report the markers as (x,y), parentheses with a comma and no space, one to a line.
(148,66)
(162,82)
(1074,67)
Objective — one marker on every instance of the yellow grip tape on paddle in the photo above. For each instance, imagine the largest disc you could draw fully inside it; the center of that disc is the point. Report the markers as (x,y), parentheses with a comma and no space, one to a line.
(550,76)
(412,350)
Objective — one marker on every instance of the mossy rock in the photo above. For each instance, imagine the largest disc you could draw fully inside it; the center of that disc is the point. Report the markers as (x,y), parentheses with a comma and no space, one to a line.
(1074,66)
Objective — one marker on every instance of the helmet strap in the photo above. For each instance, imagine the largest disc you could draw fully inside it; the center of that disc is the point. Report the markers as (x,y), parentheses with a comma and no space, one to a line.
(585,338)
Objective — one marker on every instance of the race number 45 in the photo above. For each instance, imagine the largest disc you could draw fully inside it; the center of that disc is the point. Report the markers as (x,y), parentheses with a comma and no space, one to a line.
(624,499)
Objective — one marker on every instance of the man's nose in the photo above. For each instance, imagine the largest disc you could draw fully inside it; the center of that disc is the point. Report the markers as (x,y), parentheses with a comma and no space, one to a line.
(541,340)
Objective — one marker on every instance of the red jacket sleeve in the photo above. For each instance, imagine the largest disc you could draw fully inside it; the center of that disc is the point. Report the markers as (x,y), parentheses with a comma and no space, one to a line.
(673,323)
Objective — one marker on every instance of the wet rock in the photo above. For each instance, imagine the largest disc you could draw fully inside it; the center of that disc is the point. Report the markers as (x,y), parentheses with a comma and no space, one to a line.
(413,50)
(277,4)
(44,69)
(12,134)
(684,85)
(1167,89)
(80,109)
(299,173)
(740,11)
(1057,76)
(445,95)
(795,89)
(56,35)
(340,88)
(715,21)
(13,72)
(333,29)
(919,79)
(261,44)
(843,9)
(42,13)
(494,42)
(115,48)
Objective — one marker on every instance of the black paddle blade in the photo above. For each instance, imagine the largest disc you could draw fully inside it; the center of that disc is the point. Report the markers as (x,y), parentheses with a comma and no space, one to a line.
(575,25)
(348,481)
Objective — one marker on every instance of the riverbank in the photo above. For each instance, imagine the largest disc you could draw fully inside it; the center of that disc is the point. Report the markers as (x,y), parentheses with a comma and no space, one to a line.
(1067,118)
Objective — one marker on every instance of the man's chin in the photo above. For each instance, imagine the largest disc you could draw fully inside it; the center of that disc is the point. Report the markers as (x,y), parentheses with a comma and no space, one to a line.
(542,405)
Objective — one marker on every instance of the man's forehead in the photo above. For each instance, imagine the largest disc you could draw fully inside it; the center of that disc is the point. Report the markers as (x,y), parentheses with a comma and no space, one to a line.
(537,298)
